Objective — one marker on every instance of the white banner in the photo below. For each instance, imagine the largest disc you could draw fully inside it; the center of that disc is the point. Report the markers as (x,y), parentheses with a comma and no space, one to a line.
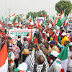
(20,32)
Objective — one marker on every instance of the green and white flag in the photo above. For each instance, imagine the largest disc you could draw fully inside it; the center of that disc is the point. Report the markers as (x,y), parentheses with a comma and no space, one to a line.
(12,18)
(62,17)
(66,23)
(59,23)
(64,54)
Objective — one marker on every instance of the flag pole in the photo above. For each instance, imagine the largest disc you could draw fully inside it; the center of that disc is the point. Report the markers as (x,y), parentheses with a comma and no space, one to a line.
(9,14)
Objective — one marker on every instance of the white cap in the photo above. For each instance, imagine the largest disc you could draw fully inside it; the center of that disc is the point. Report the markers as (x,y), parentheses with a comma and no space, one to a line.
(43,31)
(70,44)
(63,34)
(54,53)
(54,31)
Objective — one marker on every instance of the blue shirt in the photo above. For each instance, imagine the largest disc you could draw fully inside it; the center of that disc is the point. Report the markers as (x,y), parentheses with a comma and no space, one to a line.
(61,46)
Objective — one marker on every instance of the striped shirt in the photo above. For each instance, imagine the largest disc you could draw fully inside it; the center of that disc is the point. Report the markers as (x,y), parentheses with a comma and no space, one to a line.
(39,67)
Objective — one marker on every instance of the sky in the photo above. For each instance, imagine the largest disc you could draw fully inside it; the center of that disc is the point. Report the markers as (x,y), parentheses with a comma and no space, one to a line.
(25,6)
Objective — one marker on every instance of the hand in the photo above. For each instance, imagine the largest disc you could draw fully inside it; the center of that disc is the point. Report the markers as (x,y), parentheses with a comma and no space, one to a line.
(56,41)
(33,49)
(40,40)
(38,47)
(9,59)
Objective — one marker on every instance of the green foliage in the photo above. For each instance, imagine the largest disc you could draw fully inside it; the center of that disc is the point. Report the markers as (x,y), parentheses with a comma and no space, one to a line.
(20,18)
(37,14)
(63,5)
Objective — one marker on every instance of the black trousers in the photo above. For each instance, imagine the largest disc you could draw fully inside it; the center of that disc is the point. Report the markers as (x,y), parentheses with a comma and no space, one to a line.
(16,62)
(23,57)
(20,55)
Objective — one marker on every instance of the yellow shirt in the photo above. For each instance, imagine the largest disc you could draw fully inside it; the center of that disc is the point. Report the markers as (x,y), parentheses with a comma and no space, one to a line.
(63,40)
(51,38)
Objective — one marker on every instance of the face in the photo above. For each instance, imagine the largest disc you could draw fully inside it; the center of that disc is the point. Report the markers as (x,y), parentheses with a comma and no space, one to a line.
(9,50)
(70,47)
(47,46)
(51,45)
(71,39)
(63,36)
(65,43)
(2,40)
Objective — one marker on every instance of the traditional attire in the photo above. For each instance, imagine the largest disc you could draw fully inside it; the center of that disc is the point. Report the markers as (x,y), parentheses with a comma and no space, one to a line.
(11,63)
(69,67)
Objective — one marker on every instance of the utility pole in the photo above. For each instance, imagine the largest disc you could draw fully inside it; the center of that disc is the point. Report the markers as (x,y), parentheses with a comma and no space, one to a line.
(5,8)
(9,14)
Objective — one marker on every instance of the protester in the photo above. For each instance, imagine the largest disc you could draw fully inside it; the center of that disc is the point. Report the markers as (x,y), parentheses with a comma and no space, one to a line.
(64,38)
(65,43)
(11,58)
(47,49)
(53,46)
(29,39)
(56,64)
(19,44)
(2,42)
(35,39)
(25,44)
(69,67)
(26,58)
(38,63)
(16,52)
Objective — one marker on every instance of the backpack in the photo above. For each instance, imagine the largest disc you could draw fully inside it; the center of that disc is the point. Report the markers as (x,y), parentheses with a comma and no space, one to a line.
(19,44)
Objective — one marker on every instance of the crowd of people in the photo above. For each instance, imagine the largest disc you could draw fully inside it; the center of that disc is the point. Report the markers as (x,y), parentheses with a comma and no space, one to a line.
(40,53)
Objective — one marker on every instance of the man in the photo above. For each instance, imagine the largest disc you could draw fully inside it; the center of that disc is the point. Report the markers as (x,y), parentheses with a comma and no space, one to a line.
(19,43)
(69,67)
(25,44)
(53,46)
(2,42)
(38,62)
(64,38)
(26,58)
(47,49)
(56,63)
(29,40)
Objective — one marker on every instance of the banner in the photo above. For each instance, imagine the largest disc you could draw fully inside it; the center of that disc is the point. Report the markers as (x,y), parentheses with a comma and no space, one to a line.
(20,32)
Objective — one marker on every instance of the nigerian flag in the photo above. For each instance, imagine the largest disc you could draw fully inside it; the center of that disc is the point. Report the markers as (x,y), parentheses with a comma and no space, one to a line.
(64,54)
(62,17)
(66,23)
(30,17)
(45,23)
(59,23)
(12,18)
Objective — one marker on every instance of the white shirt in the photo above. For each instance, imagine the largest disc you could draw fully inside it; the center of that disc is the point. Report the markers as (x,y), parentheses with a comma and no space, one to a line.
(69,61)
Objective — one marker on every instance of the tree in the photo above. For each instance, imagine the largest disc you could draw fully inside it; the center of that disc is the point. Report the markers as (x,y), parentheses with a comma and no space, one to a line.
(37,14)
(20,18)
(63,5)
